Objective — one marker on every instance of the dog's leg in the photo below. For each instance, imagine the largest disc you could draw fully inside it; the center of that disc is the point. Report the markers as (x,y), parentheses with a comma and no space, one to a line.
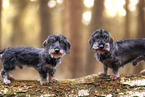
(43,74)
(52,78)
(104,73)
(134,62)
(51,75)
(5,72)
(116,73)
(10,77)
(4,75)
(43,78)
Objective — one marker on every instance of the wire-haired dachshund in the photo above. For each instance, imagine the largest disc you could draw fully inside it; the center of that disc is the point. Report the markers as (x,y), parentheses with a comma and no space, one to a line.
(44,60)
(115,54)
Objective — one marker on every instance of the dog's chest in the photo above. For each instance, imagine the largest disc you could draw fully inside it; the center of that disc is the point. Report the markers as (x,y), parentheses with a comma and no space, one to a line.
(50,67)
(106,59)
(53,61)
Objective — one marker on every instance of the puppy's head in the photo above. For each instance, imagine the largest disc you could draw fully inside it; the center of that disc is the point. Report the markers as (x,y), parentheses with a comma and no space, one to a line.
(57,45)
(101,40)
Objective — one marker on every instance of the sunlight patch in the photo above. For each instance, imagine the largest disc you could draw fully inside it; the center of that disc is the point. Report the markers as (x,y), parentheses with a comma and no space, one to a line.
(83,93)
(133,82)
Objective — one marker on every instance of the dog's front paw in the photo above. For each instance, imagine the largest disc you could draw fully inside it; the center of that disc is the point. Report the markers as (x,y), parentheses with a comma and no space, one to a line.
(43,82)
(102,74)
(6,81)
(113,77)
(52,79)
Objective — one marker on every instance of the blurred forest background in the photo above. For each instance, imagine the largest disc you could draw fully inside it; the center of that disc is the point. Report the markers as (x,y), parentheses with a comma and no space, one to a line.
(29,22)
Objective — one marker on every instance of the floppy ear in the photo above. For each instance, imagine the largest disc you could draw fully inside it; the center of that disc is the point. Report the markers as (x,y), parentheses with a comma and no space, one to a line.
(68,47)
(111,40)
(44,43)
(91,42)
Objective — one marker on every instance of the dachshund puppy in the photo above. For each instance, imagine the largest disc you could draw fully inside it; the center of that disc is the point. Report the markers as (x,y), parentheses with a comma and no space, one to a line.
(44,60)
(115,54)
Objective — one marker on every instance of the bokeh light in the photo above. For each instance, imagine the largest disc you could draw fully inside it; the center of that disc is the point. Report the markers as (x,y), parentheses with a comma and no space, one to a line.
(86,17)
(5,3)
(52,3)
(89,3)
(60,1)
(115,7)
(132,5)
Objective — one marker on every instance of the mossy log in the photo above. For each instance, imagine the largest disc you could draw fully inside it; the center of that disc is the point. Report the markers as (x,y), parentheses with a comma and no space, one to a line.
(91,85)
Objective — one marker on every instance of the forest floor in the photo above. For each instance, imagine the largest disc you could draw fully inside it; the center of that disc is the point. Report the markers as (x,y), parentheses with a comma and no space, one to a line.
(91,85)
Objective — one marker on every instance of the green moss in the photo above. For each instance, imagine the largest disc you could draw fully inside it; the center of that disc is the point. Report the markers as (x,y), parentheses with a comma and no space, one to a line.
(91,85)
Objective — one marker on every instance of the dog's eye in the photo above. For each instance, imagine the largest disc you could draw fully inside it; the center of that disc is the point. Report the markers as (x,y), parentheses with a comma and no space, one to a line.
(97,37)
(61,40)
(51,41)
(105,37)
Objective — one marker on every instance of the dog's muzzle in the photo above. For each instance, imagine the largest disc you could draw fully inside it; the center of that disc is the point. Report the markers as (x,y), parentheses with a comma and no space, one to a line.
(101,47)
(56,53)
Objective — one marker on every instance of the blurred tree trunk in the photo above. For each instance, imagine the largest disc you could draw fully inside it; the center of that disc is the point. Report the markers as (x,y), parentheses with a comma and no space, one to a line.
(0,24)
(141,20)
(96,23)
(45,20)
(73,25)
(127,20)
(140,28)
(18,35)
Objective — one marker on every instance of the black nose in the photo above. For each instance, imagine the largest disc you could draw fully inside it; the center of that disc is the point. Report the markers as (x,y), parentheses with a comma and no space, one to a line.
(57,50)
(101,46)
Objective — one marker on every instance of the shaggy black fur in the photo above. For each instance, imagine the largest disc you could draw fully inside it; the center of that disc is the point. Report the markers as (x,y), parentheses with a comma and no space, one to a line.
(42,59)
(115,54)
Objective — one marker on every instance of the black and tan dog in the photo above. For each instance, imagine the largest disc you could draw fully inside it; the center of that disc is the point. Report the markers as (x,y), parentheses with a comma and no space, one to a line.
(115,54)
(42,59)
